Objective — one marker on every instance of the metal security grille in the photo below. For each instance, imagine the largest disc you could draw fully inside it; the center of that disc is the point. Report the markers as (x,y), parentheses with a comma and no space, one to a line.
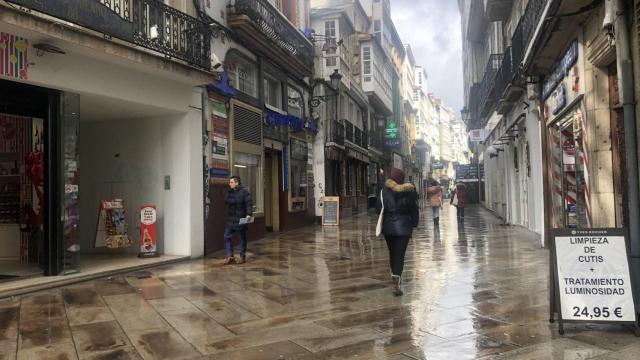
(247,125)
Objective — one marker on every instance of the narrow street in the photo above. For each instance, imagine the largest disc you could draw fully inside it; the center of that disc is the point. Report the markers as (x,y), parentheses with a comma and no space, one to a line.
(320,293)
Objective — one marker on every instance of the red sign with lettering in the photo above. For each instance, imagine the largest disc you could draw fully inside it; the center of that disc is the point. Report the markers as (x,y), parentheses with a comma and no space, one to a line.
(148,232)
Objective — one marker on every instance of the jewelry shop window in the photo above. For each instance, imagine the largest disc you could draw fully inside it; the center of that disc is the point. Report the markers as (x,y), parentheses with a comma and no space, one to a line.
(298,166)
(248,167)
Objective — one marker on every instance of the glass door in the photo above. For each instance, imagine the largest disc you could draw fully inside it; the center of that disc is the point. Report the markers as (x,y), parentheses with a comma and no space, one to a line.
(69,116)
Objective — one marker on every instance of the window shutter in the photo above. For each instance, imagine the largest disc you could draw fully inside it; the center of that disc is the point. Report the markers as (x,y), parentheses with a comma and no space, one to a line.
(247,125)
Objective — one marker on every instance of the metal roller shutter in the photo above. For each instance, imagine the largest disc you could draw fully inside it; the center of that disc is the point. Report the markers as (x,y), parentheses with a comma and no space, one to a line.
(247,125)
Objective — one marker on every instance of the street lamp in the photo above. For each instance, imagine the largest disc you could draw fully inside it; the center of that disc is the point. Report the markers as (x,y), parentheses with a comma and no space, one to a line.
(334,84)
(466,115)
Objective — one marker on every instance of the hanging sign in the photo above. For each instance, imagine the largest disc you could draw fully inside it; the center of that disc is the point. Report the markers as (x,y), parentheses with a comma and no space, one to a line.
(148,232)
(111,231)
(591,276)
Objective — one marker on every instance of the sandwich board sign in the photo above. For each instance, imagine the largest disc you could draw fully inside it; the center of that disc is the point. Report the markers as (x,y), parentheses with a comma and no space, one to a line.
(331,211)
(591,281)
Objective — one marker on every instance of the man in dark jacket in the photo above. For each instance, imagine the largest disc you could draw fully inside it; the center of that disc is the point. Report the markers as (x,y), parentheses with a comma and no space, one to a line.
(239,206)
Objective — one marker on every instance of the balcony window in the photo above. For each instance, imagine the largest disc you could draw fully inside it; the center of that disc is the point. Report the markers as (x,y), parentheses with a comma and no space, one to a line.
(377,26)
(331,61)
(330,35)
(273,92)
(366,63)
(243,74)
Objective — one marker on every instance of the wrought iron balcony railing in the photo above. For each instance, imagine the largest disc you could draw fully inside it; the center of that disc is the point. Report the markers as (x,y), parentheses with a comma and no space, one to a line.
(336,132)
(526,27)
(376,140)
(506,73)
(171,32)
(348,131)
(276,27)
(487,91)
(357,136)
(147,23)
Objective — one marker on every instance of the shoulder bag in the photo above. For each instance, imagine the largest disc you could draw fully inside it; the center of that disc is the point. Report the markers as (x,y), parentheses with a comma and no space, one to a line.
(379,224)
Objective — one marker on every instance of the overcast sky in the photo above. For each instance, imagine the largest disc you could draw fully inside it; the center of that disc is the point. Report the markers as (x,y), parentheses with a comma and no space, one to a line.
(432,27)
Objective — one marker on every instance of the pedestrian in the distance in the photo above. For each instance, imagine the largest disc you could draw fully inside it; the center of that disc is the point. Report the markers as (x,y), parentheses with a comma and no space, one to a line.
(239,206)
(401,215)
(459,199)
(435,200)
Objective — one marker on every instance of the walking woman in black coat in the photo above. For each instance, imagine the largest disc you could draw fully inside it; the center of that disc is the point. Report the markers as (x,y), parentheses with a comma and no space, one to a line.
(400,216)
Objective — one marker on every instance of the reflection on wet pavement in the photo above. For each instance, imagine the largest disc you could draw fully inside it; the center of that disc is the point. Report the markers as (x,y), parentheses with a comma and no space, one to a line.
(473,292)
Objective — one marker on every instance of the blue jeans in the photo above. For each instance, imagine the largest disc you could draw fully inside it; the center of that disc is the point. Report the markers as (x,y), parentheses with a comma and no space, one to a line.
(436,212)
(228,240)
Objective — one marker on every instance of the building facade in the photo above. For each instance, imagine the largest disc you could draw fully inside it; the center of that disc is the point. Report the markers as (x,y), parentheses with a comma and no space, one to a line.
(558,112)
(98,120)
(259,124)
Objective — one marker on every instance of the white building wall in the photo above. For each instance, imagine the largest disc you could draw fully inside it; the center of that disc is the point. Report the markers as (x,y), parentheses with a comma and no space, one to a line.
(173,149)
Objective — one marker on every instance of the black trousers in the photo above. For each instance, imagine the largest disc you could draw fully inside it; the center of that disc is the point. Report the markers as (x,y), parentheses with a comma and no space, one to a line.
(397,247)
(460,212)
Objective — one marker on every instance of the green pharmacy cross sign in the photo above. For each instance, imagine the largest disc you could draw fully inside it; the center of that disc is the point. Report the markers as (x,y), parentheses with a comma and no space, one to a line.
(392,131)
(392,138)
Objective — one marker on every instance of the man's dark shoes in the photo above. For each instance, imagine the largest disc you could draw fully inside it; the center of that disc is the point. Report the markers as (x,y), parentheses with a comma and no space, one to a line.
(230,260)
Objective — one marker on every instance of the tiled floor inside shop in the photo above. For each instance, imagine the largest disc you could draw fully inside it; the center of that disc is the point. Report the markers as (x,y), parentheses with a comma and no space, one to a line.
(478,291)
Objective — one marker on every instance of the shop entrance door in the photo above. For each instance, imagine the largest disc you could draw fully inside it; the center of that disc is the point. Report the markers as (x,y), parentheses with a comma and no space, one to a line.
(39,131)
(271,191)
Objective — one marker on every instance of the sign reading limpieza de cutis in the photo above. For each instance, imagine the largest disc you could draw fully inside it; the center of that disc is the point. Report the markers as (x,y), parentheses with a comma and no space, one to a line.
(593,279)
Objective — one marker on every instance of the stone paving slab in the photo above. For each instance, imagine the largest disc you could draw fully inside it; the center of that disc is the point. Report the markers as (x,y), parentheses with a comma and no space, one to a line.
(473,292)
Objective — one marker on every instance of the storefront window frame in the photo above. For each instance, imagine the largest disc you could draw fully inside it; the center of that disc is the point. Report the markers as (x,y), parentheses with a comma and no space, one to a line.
(298,160)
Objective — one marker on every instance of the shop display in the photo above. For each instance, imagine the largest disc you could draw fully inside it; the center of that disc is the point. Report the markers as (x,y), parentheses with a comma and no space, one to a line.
(112,225)
(148,232)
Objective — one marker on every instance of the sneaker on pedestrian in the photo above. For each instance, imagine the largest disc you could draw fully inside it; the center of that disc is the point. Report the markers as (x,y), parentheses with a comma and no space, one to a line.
(230,260)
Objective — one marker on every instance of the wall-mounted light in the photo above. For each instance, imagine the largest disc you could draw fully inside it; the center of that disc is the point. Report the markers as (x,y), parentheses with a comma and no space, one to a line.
(42,48)
(494,151)
(240,166)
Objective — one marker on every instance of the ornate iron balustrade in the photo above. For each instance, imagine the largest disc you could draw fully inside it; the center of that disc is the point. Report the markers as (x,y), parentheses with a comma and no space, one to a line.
(376,140)
(365,140)
(336,132)
(121,7)
(524,30)
(486,94)
(147,23)
(506,73)
(171,32)
(357,136)
(276,27)
(348,131)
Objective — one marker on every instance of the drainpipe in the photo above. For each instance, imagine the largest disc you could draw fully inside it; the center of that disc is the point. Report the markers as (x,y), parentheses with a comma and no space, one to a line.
(625,82)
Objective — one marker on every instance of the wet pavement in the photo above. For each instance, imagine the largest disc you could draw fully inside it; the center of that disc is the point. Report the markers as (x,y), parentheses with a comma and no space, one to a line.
(477,291)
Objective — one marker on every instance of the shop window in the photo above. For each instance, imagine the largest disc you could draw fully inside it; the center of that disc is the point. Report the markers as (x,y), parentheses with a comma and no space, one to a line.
(298,179)
(570,194)
(243,74)
(249,168)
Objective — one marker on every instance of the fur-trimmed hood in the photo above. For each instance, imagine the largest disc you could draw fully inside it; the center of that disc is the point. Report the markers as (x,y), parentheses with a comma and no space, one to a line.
(394,186)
